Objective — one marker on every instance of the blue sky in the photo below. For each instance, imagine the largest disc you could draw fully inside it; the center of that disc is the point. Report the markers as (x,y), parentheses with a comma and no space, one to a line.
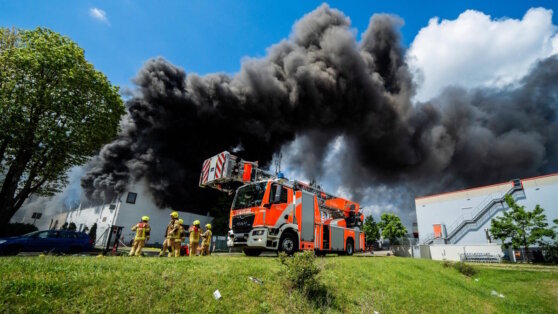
(214,36)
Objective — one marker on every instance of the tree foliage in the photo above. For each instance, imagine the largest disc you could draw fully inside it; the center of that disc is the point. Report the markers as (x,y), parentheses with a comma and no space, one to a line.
(371,230)
(518,227)
(56,110)
(392,228)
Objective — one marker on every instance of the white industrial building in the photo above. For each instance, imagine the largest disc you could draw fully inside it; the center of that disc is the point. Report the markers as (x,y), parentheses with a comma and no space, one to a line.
(125,211)
(457,223)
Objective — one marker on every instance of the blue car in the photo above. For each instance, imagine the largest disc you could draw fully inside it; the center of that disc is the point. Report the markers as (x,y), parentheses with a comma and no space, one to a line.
(49,241)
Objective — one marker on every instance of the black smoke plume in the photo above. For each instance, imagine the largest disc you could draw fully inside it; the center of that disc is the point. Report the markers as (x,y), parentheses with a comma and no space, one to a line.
(312,89)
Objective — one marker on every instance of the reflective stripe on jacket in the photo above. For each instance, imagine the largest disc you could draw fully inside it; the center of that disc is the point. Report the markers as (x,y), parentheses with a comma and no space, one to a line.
(142,229)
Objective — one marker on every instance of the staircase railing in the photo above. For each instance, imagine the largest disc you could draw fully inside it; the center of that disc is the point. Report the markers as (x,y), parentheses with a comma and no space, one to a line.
(457,227)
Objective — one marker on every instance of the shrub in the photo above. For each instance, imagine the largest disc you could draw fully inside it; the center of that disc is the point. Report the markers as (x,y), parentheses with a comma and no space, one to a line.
(301,274)
(16,229)
(447,264)
(465,269)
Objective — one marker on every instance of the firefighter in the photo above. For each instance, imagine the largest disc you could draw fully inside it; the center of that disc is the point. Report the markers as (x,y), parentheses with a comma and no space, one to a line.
(142,230)
(170,234)
(180,236)
(194,238)
(206,240)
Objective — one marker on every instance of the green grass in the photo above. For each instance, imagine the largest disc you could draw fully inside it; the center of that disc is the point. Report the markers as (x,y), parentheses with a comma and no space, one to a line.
(186,285)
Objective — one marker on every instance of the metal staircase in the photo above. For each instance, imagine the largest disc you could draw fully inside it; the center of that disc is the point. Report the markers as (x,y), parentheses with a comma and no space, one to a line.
(478,216)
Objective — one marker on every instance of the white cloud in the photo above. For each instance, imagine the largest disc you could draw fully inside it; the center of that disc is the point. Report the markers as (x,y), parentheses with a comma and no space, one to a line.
(99,14)
(476,50)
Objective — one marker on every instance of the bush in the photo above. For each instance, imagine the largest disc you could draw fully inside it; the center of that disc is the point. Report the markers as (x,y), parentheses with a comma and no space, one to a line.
(447,264)
(301,274)
(16,229)
(465,269)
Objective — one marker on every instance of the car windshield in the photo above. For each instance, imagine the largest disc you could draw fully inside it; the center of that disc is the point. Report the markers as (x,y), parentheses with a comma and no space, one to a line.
(30,234)
(249,195)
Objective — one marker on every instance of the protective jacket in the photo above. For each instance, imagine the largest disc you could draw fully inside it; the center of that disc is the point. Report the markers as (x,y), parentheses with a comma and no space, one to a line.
(206,236)
(142,230)
(180,235)
(194,234)
(173,229)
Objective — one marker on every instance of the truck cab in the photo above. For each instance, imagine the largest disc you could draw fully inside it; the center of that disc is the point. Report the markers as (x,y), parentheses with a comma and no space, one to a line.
(258,211)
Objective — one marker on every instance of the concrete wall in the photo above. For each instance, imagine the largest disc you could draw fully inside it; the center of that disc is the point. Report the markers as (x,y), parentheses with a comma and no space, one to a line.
(448,208)
(452,252)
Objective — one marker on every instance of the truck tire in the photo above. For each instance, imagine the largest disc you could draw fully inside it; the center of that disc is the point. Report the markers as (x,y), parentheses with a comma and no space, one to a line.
(349,247)
(252,252)
(288,243)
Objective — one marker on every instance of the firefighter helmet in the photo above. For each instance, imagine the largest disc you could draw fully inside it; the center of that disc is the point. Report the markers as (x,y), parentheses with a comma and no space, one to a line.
(196,222)
(208,226)
(145,218)
(174,214)
(180,221)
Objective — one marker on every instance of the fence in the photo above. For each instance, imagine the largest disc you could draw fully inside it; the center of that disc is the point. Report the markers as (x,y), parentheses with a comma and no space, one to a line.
(480,257)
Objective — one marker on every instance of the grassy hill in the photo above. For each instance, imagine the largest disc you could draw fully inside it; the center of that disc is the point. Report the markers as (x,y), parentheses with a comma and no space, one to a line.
(356,284)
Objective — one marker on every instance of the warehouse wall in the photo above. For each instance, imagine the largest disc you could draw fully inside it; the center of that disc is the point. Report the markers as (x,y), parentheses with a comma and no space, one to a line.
(450,207)
(130,214)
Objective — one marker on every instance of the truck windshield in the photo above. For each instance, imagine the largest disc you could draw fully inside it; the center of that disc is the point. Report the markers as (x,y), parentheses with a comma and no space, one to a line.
(249,195)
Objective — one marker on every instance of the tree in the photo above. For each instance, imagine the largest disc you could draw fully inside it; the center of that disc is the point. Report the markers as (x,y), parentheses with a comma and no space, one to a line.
(56,110)
(93,232)
(520,228)
(392,228)
(371,230)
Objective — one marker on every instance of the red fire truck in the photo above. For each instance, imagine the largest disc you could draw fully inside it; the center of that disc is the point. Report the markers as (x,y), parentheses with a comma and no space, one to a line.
(272,213)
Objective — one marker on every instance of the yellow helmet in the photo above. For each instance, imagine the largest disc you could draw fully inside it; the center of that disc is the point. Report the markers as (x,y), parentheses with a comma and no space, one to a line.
(145,218)
(196,222)
(174,214)
(180,221)
(208,226)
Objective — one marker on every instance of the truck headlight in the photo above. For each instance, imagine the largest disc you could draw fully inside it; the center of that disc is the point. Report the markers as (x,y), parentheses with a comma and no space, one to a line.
(258,232)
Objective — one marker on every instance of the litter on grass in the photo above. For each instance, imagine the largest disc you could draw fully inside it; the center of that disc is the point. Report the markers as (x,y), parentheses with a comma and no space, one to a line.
(256,280)
(217,295)
(496,294)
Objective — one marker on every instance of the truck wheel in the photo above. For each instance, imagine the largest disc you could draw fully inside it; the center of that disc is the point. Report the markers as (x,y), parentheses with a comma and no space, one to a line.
(288,243)
(350,247)
(252,252)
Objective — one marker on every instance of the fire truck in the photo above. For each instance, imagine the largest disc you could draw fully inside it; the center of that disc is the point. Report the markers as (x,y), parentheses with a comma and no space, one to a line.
(272,213)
